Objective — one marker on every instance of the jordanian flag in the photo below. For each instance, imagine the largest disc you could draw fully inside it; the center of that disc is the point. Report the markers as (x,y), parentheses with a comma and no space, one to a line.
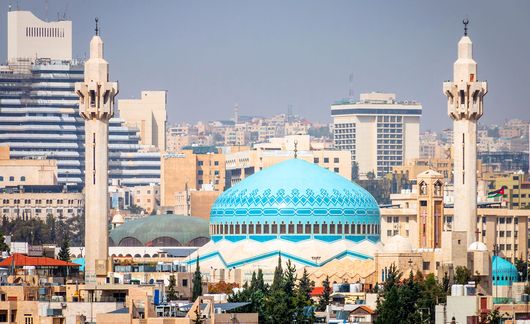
(496,193)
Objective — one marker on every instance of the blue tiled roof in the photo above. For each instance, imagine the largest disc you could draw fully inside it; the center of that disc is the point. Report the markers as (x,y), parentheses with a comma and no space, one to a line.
(296,190)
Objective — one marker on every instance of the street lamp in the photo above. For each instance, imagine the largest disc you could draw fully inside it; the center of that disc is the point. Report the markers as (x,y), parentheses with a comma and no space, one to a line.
(316,259)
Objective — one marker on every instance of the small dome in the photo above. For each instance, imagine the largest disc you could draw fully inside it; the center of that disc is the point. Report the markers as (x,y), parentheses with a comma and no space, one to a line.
(162,230)
(477,247)
(397,244)
(503,272)
(118,219)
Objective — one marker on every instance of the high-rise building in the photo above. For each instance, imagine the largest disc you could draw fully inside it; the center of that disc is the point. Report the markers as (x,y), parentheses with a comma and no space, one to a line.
(148,114)
(465,107)
(96,106)
(39,118)
(28,37)
(379,131)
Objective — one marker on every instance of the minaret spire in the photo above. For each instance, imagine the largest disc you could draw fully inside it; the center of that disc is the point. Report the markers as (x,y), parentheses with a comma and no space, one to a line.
(96,106)
(465,98)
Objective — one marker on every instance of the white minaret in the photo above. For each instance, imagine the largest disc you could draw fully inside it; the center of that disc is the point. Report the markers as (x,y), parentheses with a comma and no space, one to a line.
(465,106)
(96,101)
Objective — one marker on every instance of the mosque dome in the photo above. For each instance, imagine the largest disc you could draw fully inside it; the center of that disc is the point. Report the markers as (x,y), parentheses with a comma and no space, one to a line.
(477,247)
(503,272)
(398,244)
(295,198)
(161,230)
(117,219)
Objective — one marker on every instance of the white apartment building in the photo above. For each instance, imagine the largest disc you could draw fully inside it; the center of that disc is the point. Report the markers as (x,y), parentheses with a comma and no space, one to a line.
(28,37)
(379,131)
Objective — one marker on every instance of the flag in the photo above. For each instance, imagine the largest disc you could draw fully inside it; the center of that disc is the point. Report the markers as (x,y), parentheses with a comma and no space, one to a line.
(496,193)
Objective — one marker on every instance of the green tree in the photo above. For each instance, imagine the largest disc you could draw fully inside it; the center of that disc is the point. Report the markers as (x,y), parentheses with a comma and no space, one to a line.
(197,281)
(171,292)
(277,303)
(3,245)
(302,298)
(323,301)
(462,275)
(64,252)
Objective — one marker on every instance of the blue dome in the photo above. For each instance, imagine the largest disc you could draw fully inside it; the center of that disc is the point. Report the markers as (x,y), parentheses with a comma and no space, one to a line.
(503,272)
(295,197)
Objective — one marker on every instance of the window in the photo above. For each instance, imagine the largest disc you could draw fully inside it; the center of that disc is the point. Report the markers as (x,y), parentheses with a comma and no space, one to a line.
(23,178)
(336,160)
(389,233)
(216,163)
(184,282)
(200,163)
(336,170)
(1,178)
(326,160)
(316,160)
(11,178)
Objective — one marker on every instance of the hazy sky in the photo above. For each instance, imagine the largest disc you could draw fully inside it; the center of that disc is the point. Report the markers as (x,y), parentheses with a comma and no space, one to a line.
(266,55)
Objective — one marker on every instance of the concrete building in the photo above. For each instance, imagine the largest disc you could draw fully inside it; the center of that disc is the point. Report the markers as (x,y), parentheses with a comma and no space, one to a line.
(28,37)
(96,106)
(28,202)
(242,163)
(196,168)
(148,114)
(516,188)
(465,107)
(379,131)
(39,115)
(194,202)
(32,172)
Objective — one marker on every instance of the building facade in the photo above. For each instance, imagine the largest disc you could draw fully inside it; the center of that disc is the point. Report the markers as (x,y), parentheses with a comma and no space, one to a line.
(39,117)
(148,114)
(379,131)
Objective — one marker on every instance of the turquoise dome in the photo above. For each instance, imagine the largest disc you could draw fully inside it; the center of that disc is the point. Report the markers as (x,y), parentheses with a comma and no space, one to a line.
(503,272)
(296,197)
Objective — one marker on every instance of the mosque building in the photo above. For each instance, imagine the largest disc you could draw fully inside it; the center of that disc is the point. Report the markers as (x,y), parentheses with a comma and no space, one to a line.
(296,210)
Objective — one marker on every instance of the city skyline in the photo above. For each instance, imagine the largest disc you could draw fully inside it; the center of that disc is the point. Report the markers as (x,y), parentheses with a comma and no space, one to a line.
(298,55)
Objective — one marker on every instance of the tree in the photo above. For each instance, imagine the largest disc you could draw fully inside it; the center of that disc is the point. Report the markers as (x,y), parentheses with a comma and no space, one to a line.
(64,253)
(197,281)
(462,275)
(3,245)
(171,292)
(277,304)
(323,301)
(302,298)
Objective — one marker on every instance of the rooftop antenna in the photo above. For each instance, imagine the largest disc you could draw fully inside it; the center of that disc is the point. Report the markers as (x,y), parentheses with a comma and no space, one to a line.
(351,86)
(97,27)
(465,22)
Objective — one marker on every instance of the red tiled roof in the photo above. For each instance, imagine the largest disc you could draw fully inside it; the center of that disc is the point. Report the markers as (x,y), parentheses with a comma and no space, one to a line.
(20,260)
(364,308)
(317,291)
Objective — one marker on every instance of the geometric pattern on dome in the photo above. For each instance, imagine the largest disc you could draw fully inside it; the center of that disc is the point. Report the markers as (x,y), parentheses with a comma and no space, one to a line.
(328,202)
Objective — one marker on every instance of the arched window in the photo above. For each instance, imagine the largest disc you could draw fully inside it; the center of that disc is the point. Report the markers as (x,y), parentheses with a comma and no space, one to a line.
(316,228)
(324,228)
(231,228)
(137,255)
(258,228)
(164,241)
(299,228)
(250,228)
(308,228)
(244,228)
(358,229)
(423,188)
(274,228)
(130,241)
(346,228)
(339,228)
(226,229)
(282,228)
(331,228)
(198,241)
(291,228)
(364,229)
(237,228)
(266,228)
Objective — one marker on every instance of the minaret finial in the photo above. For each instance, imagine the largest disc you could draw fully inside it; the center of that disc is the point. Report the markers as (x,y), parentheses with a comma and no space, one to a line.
(295,149)
(465,22)
(97,27)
